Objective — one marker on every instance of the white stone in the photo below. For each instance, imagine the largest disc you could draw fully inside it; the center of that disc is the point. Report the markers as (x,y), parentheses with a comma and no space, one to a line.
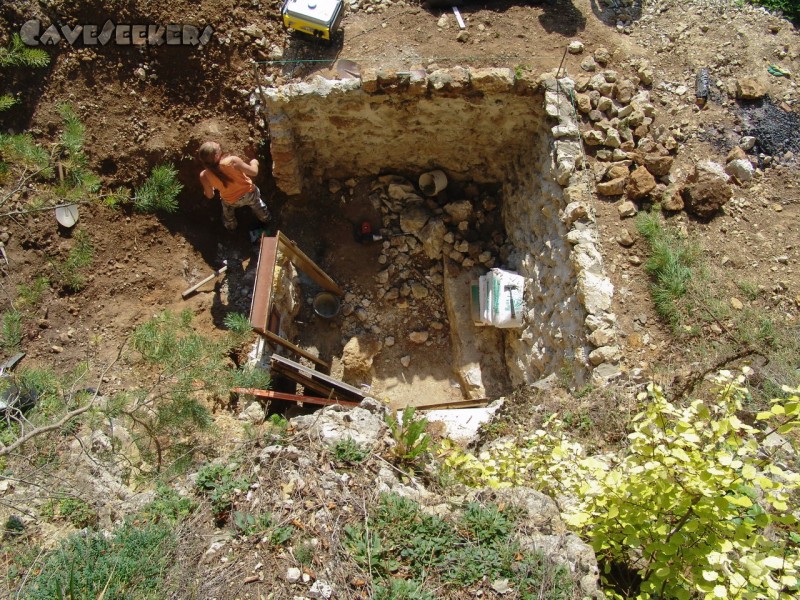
(254,413)
(604,354)
(595,291)
(627,209)
(418,337)
(740,169)
(575,47)
(320,589)
(293,574)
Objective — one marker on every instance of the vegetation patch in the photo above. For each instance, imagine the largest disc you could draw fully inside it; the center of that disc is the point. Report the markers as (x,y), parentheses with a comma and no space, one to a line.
(132,562)
(697,504)
(412,554)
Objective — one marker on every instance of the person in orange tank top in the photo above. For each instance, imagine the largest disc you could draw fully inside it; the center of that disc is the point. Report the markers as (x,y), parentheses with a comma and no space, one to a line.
(230,175)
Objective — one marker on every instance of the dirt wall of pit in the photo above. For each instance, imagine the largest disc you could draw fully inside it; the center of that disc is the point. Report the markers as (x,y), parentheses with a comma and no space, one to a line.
(487,125)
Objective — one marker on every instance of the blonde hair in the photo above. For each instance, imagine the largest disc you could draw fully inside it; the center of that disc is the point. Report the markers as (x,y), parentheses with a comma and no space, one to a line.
(208,156)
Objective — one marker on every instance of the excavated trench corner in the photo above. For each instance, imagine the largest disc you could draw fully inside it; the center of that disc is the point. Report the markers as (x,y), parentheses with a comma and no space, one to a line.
(482,127)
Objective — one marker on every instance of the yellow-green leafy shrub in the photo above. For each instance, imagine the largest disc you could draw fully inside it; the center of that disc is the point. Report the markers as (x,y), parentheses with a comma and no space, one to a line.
(699,504)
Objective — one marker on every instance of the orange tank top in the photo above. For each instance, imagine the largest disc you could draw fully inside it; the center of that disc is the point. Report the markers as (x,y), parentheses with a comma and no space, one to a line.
(239,185)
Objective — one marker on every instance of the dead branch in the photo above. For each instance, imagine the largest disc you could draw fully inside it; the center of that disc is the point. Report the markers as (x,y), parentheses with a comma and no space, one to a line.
(684,387)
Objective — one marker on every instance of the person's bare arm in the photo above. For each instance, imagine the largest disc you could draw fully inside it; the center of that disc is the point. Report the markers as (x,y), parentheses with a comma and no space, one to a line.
(250,169)
(208,189)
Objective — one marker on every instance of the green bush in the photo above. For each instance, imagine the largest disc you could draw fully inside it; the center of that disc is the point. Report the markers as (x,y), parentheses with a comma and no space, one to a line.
(697,505)
(189,366)
(77,512)
(790,8)
(17,54)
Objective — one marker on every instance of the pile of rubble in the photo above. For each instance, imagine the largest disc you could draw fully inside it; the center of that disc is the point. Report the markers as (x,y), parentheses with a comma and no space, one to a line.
(635,160)
(418,232)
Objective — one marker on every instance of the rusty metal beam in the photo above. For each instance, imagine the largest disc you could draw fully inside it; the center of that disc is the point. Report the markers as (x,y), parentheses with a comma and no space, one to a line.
(261,303)
(300,399)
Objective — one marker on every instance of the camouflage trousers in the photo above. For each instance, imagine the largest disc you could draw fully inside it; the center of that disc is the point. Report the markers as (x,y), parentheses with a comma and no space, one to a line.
(251,199)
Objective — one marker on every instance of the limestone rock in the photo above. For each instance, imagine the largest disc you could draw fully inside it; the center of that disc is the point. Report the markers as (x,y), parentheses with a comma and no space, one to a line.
(334,424)
(595,292)
(414,219)
(750,88)
(657,164)
(736,153)
(602,56)
(459,211)
(432,236)
(601,337)
(627,209)
(624,91)
(593,137)
(747,142)
(616,171)
(612,139)
(645,73)
(492,79)
(418,337)
(604,354)
(575,47)
(706,189)
(419,290)
(321,590)
(588,64)
(573,212)
(741,169)
(612,188)
(625,238)
(254,413)
(357,357)
(640,184)
(671,198)
(584,103)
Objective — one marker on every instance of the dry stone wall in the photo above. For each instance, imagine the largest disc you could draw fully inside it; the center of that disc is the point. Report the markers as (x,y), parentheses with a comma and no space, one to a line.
(485,125)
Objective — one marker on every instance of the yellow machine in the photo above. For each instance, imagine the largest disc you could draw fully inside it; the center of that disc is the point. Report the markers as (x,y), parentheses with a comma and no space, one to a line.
(320,18)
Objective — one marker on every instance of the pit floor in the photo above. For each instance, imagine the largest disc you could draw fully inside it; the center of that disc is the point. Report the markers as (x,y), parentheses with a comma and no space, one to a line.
(322,225)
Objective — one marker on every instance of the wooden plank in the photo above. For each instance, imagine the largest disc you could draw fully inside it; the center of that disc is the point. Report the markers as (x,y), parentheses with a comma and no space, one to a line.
(333,382)
(261,303)
(290,346)
(308,266)
(293,397)
(474,403)
(188,292)
(307,382)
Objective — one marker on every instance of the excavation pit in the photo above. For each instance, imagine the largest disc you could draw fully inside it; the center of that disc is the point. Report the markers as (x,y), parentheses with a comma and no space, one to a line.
(352,151)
